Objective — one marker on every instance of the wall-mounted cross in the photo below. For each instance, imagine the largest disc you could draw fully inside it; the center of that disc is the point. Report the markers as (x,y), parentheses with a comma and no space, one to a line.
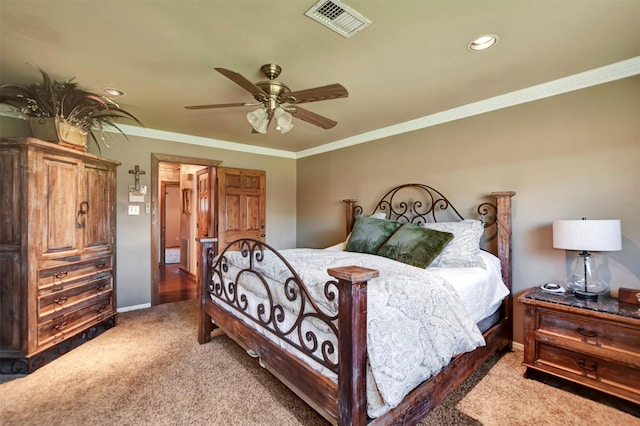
(136,171)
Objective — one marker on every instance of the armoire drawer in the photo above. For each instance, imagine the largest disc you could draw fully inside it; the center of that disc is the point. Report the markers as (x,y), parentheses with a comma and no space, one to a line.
(61,276)
(74,296)
(589,370)
(591,332)
(63,326)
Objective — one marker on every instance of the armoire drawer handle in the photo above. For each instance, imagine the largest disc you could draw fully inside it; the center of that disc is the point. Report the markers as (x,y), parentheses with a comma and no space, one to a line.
(61,275)
(101,265)
(101,308)
(61,325)
(101,287)
(592,366)
(61,300)
(587,333)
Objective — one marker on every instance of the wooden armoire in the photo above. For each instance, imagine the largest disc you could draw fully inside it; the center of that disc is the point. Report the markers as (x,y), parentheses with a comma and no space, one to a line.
(57,250)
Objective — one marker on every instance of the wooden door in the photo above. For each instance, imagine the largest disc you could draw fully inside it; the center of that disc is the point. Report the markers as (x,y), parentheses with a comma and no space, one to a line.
(61,199)
(96,217)
(241,205)
(204,203)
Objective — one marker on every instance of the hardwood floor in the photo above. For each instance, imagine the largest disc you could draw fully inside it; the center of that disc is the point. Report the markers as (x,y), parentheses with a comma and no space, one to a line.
(175,285)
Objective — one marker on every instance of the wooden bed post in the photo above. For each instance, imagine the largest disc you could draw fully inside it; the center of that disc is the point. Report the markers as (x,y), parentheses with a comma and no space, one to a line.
(503,217)
(351,218)
(205,325)
(352,342)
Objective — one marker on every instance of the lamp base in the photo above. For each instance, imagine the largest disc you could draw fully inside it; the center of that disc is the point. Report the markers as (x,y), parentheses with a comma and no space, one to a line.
(580,294)
(585,282)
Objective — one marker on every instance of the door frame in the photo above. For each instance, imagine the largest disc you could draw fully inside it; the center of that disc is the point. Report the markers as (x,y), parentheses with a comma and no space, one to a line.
(156,159)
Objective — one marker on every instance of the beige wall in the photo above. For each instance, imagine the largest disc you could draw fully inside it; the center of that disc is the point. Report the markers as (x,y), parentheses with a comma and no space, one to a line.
(134,232)
(566,157)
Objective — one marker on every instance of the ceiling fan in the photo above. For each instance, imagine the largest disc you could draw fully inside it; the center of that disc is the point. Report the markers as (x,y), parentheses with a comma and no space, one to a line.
(276,100)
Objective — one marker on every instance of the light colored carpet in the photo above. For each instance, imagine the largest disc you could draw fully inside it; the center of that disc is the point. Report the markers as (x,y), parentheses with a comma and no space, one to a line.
(150,370)
(504,397)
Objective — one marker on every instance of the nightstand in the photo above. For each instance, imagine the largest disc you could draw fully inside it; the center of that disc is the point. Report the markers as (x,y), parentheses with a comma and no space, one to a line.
(595,343)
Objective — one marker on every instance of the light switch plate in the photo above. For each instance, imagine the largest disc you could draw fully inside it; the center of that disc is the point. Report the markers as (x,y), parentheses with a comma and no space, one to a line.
(134,210)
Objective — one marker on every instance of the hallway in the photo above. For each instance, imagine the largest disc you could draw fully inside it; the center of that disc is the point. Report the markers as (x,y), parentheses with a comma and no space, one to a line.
(175,285)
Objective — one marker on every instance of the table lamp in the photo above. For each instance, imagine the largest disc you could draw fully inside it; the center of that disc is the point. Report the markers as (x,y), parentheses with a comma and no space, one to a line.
(587,235)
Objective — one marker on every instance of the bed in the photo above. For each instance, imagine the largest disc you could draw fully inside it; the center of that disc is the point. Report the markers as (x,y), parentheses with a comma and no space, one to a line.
(314,318)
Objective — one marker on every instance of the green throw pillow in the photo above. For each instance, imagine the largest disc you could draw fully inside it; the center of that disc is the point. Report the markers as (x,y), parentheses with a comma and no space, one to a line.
(415,245)
(369,233)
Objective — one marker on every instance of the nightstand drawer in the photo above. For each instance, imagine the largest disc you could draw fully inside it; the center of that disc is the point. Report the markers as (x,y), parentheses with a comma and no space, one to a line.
(598,333)
(589,370)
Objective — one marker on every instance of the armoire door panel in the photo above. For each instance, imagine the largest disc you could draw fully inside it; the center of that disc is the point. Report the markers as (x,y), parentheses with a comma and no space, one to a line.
(96,216)
(59,209)
(10,184)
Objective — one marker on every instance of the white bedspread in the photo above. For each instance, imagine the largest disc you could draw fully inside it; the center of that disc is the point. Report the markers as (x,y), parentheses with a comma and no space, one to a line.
(416,321)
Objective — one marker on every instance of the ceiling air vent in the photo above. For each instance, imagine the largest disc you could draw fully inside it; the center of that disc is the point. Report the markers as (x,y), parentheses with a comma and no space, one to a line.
(338,16)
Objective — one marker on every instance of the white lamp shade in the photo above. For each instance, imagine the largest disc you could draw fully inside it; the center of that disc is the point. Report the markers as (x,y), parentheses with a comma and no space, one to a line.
(594,235)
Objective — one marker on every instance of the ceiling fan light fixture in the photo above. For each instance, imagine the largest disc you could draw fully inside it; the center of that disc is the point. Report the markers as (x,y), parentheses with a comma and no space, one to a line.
(258,120)
(284,120)
(112,91)
(483,42)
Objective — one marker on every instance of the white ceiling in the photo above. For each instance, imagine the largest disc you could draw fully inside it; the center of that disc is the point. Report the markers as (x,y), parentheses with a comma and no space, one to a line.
(412,61)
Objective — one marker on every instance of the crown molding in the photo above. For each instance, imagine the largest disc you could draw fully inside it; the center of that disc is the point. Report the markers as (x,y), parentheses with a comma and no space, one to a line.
(130,130)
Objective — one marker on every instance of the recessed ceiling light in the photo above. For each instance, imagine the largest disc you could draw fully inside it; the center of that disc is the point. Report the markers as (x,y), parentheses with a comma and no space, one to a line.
(483,42)
(113,91)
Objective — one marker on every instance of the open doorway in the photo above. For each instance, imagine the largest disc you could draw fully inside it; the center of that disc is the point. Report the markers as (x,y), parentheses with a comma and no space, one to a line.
(170,226)
(175,177)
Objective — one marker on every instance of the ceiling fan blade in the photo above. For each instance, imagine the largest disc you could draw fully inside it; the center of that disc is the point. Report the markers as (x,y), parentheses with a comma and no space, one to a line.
(242,82)
(323,93)
(312,117)
(239,104)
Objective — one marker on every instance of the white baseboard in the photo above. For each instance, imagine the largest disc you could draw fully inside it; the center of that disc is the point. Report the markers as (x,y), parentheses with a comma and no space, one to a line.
(518,346)
(134,307)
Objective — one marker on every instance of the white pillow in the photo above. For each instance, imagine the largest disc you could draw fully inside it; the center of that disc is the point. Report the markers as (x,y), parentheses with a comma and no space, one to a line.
(464,250)
(337,247)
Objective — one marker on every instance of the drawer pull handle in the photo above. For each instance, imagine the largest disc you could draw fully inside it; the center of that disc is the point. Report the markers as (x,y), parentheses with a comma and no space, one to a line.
(101,287)
(60,301)
(61,275)
(587,333)
(101,265)
(592,366)
(60,326)
(101,308)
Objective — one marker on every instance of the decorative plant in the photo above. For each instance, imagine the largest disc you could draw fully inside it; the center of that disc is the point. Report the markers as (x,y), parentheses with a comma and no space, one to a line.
(65,101)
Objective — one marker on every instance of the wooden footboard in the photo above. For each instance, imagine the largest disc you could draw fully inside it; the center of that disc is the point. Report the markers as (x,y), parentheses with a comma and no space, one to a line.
(343,403)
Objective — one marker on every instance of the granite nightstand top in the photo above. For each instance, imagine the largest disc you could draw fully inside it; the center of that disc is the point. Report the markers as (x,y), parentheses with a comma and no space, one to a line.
(605,304)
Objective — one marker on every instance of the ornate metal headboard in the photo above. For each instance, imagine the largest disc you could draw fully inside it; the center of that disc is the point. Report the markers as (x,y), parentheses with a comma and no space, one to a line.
(417,203)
